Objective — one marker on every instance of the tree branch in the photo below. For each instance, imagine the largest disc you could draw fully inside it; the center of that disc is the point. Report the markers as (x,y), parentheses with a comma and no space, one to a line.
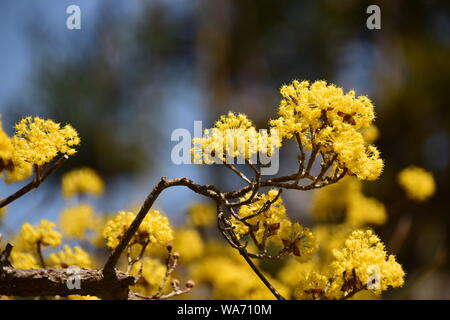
(53,282)
(39,178)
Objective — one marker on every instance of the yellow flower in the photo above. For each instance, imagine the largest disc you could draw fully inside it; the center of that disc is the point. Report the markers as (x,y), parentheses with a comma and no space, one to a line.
(44,234)
(417,182)
(311,286)
(155,229)
(234,135)
(39,141)
(81,181)
(364,256)
(360,264)
(301,241)
(202,214)
(324,117)
(68,257)
(75,221)
(274,218)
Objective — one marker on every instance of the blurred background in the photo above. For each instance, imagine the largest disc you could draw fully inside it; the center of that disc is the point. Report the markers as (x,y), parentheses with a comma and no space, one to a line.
(137,70)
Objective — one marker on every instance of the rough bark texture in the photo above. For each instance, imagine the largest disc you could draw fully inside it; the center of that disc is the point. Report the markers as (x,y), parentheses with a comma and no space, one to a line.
(53,282)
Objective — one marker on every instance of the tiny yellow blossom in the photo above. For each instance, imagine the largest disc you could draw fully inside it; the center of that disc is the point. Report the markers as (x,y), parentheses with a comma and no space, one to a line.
(75,221)
(81,181)
(418,183)
(154,229)
(44,234)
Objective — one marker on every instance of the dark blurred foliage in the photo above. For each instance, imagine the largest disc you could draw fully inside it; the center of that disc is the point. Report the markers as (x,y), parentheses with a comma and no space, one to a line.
(239,53)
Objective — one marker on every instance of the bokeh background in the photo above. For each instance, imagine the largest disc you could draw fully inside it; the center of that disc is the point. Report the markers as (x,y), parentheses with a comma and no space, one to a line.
(137,70)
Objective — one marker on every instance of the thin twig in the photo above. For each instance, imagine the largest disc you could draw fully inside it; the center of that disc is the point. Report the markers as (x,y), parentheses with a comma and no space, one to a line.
(39,253)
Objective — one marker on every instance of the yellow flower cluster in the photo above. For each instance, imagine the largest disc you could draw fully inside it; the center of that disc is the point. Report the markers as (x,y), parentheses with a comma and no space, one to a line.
(418,183)
(70,257)
(345,202)
(274,218)
(364,255)
(323,116)
(44,234)
(360,264)
(155,229)
(302,242)
(274,225)
(189,244)
(234,135)
(312,285)
(38,141)
(82,181)
(201,214)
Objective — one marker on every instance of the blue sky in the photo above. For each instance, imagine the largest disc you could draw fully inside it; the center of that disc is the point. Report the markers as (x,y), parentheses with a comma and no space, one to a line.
(16,62)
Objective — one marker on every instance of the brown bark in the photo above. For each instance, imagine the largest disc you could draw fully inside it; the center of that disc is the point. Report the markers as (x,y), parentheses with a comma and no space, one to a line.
(53,282)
